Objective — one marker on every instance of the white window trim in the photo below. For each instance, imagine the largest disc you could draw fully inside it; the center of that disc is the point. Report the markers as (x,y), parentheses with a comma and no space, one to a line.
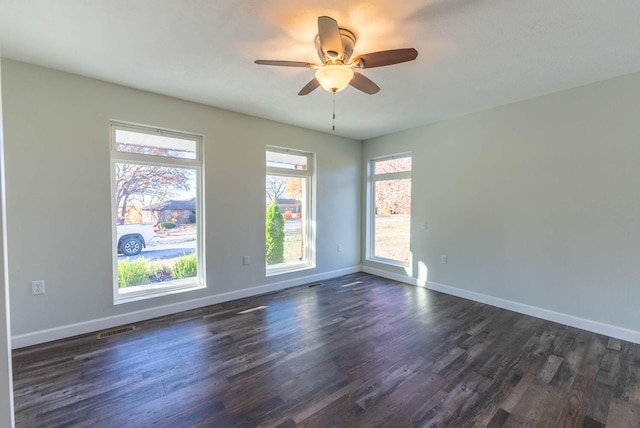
(371,207)
(132,294)
(309,212)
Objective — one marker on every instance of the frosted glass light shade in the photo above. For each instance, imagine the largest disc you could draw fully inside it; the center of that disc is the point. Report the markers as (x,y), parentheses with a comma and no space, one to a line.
(334,78)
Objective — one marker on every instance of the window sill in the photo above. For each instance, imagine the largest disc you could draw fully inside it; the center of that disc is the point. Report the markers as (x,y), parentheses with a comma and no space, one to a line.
(390,262)
(282,268)
(143,292)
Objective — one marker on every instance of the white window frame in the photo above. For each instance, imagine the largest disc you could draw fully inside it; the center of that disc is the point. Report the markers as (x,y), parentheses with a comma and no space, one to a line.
(371,207)
(130,294)
(308,195)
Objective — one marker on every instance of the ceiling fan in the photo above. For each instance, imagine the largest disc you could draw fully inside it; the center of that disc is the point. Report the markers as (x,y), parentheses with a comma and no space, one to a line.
(335,46)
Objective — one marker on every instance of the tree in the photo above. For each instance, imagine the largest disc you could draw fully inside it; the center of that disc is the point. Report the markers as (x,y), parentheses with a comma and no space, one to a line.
(276,186)
(294,188)
(274,235)
(393,196)
(134,182)
(393,165)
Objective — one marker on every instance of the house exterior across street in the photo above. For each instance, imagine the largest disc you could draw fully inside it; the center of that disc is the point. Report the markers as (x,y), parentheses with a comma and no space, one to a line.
(178,211)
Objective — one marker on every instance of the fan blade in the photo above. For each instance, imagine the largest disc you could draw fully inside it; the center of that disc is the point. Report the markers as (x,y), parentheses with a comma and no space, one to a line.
(285,63)
(364,84)
(330,40)
(382,58)
(309,87)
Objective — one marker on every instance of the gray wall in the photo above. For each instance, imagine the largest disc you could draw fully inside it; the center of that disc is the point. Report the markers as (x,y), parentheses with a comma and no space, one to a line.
(58,197)
(6,381)
(536,202)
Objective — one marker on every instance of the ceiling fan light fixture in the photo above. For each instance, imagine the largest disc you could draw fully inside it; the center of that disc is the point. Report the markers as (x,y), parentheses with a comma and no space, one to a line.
(334,78)
(335,46)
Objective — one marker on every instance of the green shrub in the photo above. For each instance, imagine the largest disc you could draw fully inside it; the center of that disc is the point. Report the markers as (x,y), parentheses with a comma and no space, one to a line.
(274,235)
(185,267)
(133,272)
(167,225)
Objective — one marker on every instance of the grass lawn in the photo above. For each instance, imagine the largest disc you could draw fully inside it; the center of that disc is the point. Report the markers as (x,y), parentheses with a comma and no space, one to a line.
(293,248)
(392,236)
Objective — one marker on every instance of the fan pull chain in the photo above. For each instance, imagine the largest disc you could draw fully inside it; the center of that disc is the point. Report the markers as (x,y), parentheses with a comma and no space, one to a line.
(334,109)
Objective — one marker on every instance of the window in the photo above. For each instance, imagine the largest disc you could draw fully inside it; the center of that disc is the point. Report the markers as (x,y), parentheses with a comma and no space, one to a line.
(289,215)
(389,224)
(157,205)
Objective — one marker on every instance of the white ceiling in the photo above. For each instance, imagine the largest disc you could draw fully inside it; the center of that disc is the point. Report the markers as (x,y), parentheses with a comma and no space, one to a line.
(473,54)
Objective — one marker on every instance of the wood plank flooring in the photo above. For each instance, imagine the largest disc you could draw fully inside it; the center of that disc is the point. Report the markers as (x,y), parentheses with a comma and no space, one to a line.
(356,351)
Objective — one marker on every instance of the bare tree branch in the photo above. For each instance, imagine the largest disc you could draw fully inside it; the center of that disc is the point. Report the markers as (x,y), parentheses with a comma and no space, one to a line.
(134,182)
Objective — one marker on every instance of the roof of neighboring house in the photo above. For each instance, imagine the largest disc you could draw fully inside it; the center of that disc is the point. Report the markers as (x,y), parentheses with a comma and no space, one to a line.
(173,205)
(288,201)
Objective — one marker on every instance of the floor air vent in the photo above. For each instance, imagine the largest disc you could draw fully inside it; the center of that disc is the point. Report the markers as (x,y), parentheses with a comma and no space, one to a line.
(314,285)
(116,331)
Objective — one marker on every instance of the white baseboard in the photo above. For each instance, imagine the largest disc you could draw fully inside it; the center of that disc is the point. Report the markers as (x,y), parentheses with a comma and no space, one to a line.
(42,336)
(545,314)
(62,332)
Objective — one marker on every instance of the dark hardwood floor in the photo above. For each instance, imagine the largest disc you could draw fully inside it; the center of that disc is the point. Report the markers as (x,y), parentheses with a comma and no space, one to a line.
(355,351)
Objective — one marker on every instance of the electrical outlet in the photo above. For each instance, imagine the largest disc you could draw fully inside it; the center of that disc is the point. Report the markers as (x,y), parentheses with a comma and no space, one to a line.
(246,260)
(443,259)
(423,225)
(339,247)
(37,287)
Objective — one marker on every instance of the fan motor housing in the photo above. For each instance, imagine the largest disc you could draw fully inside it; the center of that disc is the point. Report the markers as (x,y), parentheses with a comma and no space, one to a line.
(348,43)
